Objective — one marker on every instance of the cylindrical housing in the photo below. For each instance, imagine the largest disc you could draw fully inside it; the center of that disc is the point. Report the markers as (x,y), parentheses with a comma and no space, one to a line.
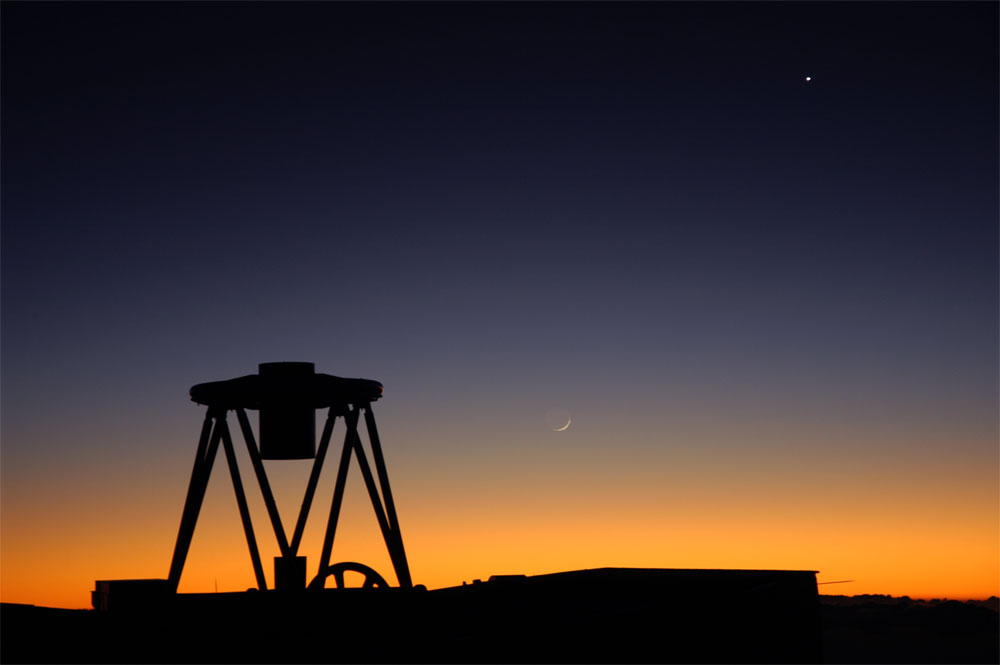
(287,416)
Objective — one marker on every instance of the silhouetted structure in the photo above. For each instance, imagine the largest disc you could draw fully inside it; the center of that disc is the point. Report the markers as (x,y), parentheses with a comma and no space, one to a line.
(603,615)
(287,395)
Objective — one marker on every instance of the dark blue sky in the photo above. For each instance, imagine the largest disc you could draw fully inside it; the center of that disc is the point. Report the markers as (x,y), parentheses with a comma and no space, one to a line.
(638,212)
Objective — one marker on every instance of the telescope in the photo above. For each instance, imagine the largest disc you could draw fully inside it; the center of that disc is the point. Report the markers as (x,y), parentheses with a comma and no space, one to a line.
(287,395)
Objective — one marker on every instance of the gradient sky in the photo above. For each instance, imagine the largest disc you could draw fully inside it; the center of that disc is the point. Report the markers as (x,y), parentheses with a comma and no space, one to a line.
(770,305)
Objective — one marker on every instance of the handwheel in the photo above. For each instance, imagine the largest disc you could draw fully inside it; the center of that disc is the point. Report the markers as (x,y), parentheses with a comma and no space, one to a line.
(372,579)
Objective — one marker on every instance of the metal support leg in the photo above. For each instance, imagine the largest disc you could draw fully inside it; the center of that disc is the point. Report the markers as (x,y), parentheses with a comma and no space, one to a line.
(241,500)
(396,550)
(208,446)
(366,473)
(324,444)
(265,487)
(351,418)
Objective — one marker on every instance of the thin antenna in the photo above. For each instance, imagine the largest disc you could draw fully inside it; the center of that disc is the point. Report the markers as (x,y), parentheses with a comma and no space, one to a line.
(837,582)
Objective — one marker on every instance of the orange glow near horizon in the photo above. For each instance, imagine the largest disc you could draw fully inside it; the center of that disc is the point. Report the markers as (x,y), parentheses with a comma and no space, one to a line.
(889,538)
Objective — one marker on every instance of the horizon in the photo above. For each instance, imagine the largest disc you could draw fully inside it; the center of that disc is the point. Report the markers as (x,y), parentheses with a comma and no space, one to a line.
(653,285)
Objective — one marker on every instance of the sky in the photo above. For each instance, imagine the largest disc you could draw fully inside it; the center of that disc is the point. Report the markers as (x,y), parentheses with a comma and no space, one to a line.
(750,249)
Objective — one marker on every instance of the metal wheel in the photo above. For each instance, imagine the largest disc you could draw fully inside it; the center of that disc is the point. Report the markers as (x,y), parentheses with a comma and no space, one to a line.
(372,579)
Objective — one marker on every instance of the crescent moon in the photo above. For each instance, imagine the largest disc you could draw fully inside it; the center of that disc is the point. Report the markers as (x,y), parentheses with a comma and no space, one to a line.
(564,427)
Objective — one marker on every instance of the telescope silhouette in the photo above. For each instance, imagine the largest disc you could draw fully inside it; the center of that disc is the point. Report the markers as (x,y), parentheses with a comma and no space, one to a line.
(287,395)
